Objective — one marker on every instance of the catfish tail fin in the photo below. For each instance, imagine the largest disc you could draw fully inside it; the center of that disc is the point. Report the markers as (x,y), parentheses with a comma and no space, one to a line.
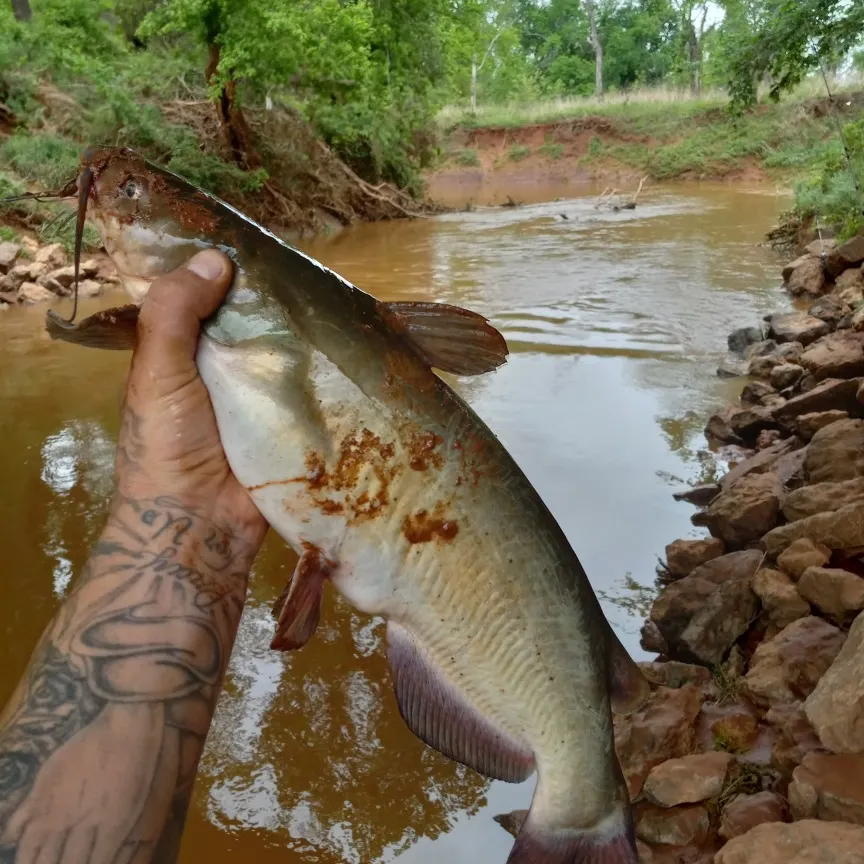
(611,843)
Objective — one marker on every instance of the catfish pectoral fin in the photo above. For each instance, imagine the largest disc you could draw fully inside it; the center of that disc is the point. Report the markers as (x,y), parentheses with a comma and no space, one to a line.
(440,717)
(447,337)
(298,608)
(111,329)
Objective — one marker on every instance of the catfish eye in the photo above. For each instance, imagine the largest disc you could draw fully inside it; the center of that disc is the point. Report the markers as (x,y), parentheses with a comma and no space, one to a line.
(132,189)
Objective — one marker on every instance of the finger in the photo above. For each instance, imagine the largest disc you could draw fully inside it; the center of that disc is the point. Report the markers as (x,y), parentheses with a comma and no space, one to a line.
(171,314)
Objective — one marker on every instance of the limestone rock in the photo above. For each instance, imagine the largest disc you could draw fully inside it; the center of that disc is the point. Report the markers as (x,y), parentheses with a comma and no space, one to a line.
(701,496)
(745,812)
(850,287)
(797,327)
(748,422)
(836,706)
(837,355)
(725,615)
(53,256)
(763,461)
(790,268)
(846,255)
(684,556)
(767,438)
(794,736)
(822,498)
(675,674)
(30,292)
(676,606)
(829,308)
(785,375)
(734,566)
(839,529)
(664,728)
(66,275)
(779,597)
(788,667)
(802,554)
(761,349)
(739,340)
(688,779)
(837,593)
(836,452)
(735,732)
(755,391)
(18,274)
(836,394)
(744,512)
(821,246)
(678,827)
(830,787)
(651,639)
(9,253)
(807,277)
(719,426)
(807,842)
(809,424)
(733,366)
(90,288)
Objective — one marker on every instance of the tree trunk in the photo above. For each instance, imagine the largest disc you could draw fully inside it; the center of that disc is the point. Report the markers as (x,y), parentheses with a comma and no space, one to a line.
(235,130)
(695,54)
(21,10)
(474,84)
(598,48)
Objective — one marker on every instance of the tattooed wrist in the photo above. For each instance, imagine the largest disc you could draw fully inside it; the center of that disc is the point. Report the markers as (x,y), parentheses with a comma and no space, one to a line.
(99,752)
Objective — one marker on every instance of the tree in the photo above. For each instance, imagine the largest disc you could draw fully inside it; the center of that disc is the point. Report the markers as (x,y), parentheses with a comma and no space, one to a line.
(21,10)
(791,38)
(693,16)
(597,45)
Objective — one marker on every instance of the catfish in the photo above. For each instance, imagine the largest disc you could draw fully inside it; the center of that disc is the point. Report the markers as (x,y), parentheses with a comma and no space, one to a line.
(392,490)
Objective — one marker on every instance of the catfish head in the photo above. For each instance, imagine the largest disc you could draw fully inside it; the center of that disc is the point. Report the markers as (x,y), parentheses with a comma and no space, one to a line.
(150,220)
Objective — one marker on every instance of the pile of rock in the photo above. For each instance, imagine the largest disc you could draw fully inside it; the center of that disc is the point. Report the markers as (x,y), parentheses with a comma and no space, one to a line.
(30,273)
(750,749)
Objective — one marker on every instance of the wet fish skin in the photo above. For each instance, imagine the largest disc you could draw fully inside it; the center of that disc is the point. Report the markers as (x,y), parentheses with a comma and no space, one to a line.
(390,487)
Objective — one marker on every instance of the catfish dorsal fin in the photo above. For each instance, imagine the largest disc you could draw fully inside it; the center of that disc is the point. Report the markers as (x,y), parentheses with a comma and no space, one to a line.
(629,689)
(447,337)
(438,715)
(111,329)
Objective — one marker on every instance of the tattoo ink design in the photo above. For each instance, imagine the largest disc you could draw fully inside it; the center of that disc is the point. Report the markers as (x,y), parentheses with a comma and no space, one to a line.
(99,754)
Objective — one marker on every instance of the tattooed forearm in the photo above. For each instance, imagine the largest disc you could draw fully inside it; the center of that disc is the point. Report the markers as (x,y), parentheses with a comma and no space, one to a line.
(99,751)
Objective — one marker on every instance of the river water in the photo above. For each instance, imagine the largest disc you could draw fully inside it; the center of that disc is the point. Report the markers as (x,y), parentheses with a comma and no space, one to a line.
(615,322)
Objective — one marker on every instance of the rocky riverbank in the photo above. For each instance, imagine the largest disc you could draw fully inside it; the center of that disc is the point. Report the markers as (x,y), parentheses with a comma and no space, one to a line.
(33,273)
(750,749)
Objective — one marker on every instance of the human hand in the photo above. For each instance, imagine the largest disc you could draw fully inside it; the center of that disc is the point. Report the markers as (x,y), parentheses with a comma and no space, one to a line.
(169,442)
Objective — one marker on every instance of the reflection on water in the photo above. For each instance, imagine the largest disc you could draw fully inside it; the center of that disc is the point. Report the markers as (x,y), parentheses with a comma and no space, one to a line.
(615,323)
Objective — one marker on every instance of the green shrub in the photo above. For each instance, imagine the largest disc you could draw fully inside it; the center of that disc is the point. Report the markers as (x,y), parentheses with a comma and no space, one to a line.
(467,157)
(519,152)
(552,151)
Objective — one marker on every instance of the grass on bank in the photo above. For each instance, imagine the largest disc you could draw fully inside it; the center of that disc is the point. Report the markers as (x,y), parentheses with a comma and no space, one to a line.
(643,102)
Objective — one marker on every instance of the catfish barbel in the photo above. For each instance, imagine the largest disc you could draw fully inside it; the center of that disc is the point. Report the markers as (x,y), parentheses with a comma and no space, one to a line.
(392,489)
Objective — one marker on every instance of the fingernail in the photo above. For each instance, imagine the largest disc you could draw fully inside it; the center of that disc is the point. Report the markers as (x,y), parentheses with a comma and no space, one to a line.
(207,264)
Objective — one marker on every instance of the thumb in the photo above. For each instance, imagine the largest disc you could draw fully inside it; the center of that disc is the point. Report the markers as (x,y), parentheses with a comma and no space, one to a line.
(172,312)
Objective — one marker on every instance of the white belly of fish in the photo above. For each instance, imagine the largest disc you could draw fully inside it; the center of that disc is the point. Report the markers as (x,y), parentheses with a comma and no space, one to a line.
(283,428)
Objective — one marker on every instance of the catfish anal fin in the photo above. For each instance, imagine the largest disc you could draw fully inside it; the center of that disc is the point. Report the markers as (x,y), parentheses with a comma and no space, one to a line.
(438,715)
(298,608)
(448,337)
(111,329)
(629,689)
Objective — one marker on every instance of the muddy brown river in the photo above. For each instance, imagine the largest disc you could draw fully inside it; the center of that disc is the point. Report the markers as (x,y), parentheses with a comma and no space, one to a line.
(615,321)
